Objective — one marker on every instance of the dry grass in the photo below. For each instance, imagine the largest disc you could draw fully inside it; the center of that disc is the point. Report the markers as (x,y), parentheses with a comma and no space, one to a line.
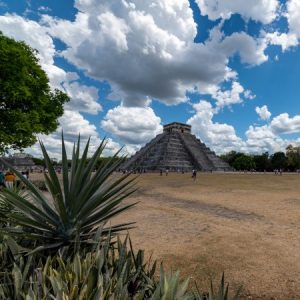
(247,225)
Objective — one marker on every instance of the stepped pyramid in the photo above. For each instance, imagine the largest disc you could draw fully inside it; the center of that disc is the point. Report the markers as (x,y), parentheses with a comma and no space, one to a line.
(176,149)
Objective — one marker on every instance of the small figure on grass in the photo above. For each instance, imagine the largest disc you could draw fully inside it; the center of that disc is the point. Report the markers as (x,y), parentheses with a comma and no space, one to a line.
(194,174)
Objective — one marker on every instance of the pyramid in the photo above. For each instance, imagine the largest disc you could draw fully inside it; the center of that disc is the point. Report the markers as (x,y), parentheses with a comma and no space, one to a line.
(176,149)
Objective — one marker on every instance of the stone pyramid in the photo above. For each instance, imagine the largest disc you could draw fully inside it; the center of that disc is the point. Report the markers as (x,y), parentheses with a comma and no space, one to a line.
(176,149)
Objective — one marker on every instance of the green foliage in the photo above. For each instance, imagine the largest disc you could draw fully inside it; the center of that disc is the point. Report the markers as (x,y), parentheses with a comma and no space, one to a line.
(222,292)
(244,162)
(293,157)
(107,271)
(231,156)
(262,162)
(28,106)
(278,160)
(80,204)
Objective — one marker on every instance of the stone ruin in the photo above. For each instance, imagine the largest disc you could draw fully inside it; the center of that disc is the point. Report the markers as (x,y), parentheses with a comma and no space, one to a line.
(20,161)
(176,149)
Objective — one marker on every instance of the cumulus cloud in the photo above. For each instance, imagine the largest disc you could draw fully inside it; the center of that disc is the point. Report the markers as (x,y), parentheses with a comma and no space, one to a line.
(258,10)
(32,33)
(71,124)
(231,96)
(84,98)
(219,137)
(284,124)
(250,50)
(289,38)
(151,53)
(222,137)
(132,125)
(293,16)
(263,139)
(263,112)
(285,40)
(271,137)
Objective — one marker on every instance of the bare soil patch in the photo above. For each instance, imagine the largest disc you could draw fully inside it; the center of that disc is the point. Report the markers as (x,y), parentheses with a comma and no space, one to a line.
(247,225)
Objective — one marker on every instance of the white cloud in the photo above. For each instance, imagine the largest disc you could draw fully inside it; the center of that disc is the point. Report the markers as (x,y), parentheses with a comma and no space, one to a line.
(229,97)
(219,137)
(285,40)
(269,137)
(261,139)
(44,9)
(263,112)
(83,98)
(264,11)
(283,124)
(222,138)
(132,125)
(32,33)
(152,54)
(293,16)
(250,50)
(72,124)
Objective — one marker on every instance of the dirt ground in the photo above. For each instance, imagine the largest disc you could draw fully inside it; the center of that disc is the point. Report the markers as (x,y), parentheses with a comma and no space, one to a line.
(247,225)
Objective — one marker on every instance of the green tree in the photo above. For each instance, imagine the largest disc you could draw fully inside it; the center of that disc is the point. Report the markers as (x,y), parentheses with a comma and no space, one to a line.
(293,157)
(278,160)
(262,161)
(244,162)
(28,106)
(231,156)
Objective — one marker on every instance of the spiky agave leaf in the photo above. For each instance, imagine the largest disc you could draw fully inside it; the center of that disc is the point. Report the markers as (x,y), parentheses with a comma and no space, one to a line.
(82,202)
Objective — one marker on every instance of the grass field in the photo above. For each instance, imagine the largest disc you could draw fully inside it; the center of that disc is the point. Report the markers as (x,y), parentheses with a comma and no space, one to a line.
(247,225)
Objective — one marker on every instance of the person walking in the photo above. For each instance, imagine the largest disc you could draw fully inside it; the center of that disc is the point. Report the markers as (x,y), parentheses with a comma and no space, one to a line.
(10,179)
(194,174)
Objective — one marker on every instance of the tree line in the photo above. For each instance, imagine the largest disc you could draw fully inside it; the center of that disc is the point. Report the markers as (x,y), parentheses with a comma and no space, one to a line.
(288,160)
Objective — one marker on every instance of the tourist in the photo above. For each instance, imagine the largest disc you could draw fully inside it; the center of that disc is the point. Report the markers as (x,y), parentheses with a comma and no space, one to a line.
(194,174)
(2,179)
(10,179)
(160,172)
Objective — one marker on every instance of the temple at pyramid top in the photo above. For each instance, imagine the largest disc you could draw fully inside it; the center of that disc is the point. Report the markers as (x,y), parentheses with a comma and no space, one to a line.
(175,149)
(176,126)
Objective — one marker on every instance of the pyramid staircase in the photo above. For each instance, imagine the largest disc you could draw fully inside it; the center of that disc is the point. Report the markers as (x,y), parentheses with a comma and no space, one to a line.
(176,149)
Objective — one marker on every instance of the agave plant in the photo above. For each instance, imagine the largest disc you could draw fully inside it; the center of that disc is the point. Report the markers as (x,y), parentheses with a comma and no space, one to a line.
(80,203)
(102,272)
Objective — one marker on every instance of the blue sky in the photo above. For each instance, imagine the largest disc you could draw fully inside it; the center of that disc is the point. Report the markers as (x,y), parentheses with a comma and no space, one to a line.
(228,68)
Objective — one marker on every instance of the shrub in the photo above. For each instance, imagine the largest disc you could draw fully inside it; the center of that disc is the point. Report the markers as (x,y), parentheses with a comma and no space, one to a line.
(79,205)
(107,271)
